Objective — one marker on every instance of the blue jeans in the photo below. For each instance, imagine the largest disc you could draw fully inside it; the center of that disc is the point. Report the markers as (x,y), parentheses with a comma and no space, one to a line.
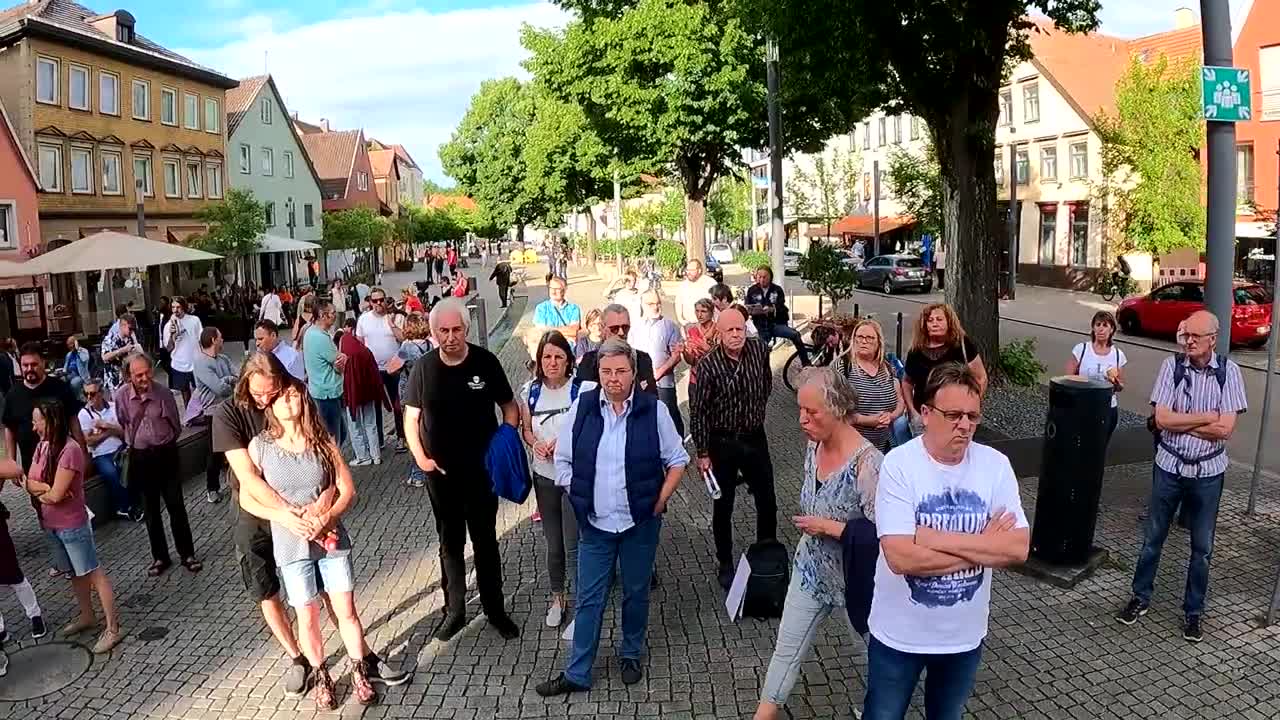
(1199,498)
(331,413)
(900,430)
(110,474)
(892,676)
(786,332)
(363,428)
(633,551)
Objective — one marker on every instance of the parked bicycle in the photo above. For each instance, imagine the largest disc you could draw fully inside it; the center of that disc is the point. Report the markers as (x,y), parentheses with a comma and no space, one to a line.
(829,338)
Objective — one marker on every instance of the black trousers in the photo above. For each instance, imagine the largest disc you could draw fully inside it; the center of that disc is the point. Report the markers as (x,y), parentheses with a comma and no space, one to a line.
(502,294)
(153,471)
(463,502)
(745,454)
(213,471)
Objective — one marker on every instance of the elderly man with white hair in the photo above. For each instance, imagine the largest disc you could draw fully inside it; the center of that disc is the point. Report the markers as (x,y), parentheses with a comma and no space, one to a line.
(660,338)
(621,459)
(449,420)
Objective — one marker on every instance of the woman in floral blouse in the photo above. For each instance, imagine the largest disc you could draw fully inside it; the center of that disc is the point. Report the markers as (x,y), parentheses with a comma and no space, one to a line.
(839,486)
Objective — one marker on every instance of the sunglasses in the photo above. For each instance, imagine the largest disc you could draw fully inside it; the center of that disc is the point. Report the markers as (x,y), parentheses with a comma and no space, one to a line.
(376,300)
(91,393)
(622,329)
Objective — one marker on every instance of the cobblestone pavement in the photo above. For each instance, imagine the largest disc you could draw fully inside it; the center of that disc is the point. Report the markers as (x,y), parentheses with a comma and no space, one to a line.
(1051,653)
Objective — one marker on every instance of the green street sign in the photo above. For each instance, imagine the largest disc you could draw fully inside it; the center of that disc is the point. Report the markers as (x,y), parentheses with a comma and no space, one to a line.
(1225,94)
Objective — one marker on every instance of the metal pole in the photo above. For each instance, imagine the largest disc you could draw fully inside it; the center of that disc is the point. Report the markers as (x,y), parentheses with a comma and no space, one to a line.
(897,348)
(1215,18)
(617,211)
(875,205)
(1271,369)
(751,242)
(1013,216)
(777,235)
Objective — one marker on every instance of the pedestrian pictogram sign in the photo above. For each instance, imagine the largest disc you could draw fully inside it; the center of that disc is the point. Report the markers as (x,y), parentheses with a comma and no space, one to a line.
(1225,94)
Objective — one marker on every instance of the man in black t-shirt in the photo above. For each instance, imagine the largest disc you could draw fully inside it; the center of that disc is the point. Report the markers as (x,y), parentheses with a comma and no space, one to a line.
(20,437)
(235,423)
(449,420)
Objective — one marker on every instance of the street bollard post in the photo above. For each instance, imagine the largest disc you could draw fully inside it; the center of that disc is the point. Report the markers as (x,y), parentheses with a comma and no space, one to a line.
(479,321)
(855,311)
(897,347)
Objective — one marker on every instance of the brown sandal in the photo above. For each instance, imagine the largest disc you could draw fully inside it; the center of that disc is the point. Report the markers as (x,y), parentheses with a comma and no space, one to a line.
(192,564)
(158,568)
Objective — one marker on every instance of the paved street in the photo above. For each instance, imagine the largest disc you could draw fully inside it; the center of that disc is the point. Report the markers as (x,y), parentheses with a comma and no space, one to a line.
(1051,653)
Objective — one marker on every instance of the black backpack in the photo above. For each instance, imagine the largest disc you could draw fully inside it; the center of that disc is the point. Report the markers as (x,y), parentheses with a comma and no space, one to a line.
(770,575)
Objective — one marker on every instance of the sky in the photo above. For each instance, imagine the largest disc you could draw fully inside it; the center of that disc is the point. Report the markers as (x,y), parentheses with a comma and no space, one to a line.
(405,70)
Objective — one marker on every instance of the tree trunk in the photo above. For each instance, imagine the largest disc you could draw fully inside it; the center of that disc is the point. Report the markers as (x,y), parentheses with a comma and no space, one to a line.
(966,154)
(591,239)
(520,233)
(695,244)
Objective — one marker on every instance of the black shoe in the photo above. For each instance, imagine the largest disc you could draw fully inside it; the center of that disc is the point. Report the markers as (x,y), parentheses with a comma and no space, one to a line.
(5,637)
(558,685)
(653,579)
(381,671)
(136,515)
(38,630)
(505,626)
(1191,629)
(297,679)
(1134,610)
(452,625)
(631,671)
(725,576)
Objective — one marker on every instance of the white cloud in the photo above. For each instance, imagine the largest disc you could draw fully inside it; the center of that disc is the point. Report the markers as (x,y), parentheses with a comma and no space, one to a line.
(404,77)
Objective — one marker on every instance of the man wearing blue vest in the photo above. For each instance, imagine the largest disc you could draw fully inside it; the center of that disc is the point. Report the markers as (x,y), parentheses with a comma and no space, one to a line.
(621,458)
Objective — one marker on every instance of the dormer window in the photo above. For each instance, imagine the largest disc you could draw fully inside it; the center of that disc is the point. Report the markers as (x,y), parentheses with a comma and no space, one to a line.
(124,33)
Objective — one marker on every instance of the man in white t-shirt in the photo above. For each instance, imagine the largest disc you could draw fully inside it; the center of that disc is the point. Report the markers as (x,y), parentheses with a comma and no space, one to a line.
(181,337)
(103,435)
(378,330)
(947,512)
(695,287)
(266,336)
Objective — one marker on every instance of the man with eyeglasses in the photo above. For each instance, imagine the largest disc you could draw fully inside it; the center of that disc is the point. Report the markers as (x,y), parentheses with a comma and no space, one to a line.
(379,330)
(1197,397)
(617,324)
(556,313)
(105,439)
(660,338)
(947,512)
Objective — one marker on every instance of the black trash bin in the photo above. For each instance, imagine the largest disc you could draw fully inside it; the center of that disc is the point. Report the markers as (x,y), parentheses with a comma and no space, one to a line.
(1074,458)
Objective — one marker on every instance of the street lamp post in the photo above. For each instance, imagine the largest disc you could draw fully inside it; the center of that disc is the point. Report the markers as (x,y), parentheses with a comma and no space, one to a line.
(778,231)
(288,214)
(1220,210)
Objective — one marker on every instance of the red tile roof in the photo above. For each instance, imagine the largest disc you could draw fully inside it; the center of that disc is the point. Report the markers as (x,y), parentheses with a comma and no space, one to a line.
(307,128)
(383,162)
(1175,44)
(1084,67)
(240,100)
(333,153)
(440,202)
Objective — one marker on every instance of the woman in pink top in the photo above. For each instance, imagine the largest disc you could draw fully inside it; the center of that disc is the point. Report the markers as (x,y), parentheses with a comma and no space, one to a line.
(56,482)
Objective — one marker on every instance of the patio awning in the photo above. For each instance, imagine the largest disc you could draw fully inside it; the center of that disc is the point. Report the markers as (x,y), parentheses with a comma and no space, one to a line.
(106,251)
(864,225)
(275,244)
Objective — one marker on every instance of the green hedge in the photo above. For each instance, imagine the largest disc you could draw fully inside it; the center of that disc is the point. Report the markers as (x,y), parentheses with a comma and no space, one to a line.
(752,259)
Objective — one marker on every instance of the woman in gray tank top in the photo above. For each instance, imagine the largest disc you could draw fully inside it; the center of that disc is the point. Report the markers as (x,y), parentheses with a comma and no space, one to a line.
(298,459)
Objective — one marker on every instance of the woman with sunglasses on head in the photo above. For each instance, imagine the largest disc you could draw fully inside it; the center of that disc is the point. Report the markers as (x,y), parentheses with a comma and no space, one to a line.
(938,339)
(297,457)
(544,402)
(56,482)
(1100,359)
(880,400)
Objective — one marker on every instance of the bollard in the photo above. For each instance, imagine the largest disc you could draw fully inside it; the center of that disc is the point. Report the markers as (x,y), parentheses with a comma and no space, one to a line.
(479,330)
(897,347)
(855,311)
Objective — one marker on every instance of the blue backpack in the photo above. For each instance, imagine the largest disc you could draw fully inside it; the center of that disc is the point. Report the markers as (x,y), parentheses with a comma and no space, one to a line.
(535,392)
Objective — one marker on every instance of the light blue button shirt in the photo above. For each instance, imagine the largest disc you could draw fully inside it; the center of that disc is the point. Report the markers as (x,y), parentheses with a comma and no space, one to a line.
(612,507)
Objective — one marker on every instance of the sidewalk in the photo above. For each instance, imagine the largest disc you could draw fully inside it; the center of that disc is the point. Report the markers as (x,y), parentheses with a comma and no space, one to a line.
(197,648)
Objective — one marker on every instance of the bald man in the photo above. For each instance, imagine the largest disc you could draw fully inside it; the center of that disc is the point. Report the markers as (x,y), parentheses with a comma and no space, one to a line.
(660,338)
(734,383)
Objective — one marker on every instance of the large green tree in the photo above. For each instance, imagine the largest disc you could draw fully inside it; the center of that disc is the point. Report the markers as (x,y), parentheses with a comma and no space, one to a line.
(943,61)
(236,225)
(1150,171)
(916,181)
(360,229)
(729,207)
(486,154)
(829,190)
(667,83)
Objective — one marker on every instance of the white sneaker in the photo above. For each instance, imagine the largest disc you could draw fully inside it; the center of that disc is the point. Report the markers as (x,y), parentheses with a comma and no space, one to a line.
(359,462)
(555,614)
(567,635)
(377,460)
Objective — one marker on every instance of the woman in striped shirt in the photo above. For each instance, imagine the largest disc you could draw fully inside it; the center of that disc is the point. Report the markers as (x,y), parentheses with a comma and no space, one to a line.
(879,396)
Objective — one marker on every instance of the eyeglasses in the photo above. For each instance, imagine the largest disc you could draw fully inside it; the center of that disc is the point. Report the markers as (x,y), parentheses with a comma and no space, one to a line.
(955,416)
(620,329)
(91,393)
(864,338)
(1198,336)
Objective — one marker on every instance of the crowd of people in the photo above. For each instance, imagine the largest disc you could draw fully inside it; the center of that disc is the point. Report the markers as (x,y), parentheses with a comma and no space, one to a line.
(902,515)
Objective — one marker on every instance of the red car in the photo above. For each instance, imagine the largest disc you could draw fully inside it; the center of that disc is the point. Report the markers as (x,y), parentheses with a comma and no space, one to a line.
(1160,311)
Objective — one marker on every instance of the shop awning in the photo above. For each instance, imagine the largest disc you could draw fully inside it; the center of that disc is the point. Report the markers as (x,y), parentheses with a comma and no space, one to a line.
(275,244)
(864,225)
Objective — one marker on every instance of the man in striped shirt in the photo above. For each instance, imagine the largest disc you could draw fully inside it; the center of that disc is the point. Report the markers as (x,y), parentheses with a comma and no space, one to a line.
(727,418)
(1197,397)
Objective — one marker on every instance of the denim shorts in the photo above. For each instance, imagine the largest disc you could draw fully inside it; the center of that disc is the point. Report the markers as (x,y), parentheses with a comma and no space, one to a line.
(304,578)
(73,550)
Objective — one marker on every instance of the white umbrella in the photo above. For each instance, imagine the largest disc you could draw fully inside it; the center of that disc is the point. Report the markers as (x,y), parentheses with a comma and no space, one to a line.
(109,250)
(10,269)
(275,244)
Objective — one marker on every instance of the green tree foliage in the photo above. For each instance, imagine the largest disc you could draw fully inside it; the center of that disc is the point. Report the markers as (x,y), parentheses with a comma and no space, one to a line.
(236,225)
(752,259)
(355,229)
(486,154)
(944,62)
(431,187)
(669,255)
(729,207)
(1150,172)
(829,191)
(826,275)
(436,225)
(665,83)
(916,181)
(671,213)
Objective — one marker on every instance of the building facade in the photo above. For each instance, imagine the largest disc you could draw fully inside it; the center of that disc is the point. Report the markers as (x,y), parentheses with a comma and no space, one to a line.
(21,305)
(111,120)
(409,175)
(267,158)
